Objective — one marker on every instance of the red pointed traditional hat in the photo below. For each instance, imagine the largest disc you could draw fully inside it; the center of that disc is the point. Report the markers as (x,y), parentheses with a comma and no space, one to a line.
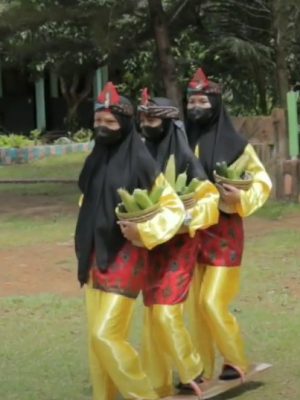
(201,84)
(145,97)
(110,100)
(109,95)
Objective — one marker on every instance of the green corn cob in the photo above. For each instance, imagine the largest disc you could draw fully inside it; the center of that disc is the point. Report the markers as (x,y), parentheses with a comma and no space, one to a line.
(231,174)
(128,201)
(170,171)
(142,199)
(193,185)
(185,190)
(180,182)
(156,193)
(222,169)
(219,169)
(239,166)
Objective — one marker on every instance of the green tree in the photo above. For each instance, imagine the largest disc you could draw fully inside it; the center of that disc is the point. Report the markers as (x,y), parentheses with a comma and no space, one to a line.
(252,48)
(235,42)
(71,38)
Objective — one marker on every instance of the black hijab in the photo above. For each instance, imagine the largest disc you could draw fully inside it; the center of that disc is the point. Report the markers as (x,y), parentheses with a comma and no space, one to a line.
(217,140)
(126,164)
(174,141)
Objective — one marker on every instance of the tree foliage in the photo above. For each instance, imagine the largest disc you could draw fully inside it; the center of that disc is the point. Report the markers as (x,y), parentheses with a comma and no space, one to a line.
(236,43)
(251,47)
(69,37)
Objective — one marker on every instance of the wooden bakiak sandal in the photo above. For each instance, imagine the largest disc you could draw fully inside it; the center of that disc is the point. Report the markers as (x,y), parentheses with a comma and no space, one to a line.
(216,387)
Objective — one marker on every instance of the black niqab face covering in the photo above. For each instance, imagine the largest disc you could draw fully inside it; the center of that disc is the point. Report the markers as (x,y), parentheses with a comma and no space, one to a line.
(153,133)
(204,116)
(217,138)
(127,164)
(106,136)
(200,114)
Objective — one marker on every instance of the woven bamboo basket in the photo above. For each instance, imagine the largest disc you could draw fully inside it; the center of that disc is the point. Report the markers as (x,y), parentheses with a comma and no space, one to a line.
(188,200)
(242,184)
(138,217)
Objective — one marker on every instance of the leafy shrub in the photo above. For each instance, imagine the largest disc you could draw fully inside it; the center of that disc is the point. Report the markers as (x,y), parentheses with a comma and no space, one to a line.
(83,135)
(21,141)
(15,141)
(35,136)
(63,140)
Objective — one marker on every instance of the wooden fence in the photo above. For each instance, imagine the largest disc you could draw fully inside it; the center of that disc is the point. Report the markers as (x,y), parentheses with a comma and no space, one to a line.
(269,136)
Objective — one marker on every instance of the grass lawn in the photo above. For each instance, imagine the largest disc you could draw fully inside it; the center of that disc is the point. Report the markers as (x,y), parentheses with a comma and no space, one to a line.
(42,336)
(64,167)
(50,207)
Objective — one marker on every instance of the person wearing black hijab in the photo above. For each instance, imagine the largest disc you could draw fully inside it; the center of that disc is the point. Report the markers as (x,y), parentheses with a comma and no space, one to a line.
(111,266)
(173,262)
(216,283)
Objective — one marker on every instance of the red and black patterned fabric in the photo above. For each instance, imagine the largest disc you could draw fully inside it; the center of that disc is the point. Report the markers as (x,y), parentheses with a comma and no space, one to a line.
(222,244)
(163,275)
(126,274)
(170,271)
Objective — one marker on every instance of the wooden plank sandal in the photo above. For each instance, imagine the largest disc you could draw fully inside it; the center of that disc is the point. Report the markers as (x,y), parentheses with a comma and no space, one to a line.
(199,392)
(216,387)
(222,386)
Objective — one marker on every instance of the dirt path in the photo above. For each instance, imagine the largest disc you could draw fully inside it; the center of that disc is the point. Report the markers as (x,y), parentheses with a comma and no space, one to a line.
(51,268)
(43,268)
(48,268)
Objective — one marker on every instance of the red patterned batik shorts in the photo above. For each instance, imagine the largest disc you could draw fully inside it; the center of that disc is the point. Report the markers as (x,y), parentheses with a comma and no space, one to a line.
(170,271)
(126,275)
(222,244)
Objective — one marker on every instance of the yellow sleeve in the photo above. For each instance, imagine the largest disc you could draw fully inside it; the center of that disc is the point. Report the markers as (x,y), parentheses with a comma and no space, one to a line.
(205,213)
(80,201)
(164,225)
(259,192)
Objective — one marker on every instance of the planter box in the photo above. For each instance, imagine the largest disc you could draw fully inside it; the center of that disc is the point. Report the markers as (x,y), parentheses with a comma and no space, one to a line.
(10,156)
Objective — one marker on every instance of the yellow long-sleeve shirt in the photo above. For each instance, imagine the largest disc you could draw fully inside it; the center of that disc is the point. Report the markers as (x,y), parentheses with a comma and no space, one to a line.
(164,225)
(205,213)
(259,192)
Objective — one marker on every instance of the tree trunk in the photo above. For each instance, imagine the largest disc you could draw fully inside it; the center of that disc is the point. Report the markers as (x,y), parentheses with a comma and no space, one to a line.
(74,98)
(261,89)
(166,60)
(280,23)
(72,123)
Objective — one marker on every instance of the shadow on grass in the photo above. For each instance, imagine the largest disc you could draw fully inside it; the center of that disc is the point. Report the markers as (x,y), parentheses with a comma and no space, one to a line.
(238,391)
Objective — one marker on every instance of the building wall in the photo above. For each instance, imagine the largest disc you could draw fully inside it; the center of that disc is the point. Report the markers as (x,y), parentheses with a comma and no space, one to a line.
(18,107)
(17,104)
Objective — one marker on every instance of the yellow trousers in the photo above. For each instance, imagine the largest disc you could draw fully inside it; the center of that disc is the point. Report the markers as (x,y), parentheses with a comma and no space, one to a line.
(167,344)
(213,290)
(114,364)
